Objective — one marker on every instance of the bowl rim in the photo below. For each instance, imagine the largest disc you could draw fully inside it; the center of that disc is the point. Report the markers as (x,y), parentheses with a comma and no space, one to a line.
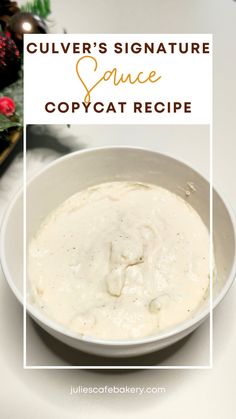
(44,320)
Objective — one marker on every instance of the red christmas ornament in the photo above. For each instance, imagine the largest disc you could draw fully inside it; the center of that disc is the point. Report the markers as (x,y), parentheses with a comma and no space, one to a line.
(7,106)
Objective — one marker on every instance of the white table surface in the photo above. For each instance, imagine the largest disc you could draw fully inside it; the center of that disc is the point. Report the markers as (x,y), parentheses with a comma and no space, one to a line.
(209,393)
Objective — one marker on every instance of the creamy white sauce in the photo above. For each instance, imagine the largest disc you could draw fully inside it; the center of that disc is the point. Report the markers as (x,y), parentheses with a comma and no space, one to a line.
(120,260)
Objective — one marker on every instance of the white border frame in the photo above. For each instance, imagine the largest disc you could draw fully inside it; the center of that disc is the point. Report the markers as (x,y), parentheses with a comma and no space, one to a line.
(150,367)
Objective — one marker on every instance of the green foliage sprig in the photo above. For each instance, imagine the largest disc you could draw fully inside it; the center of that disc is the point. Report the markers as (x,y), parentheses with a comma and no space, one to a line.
(15,92)
(40,8)
(6,123)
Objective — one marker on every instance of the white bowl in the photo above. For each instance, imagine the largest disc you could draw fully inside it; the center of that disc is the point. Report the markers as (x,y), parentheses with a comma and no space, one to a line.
(81,169)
